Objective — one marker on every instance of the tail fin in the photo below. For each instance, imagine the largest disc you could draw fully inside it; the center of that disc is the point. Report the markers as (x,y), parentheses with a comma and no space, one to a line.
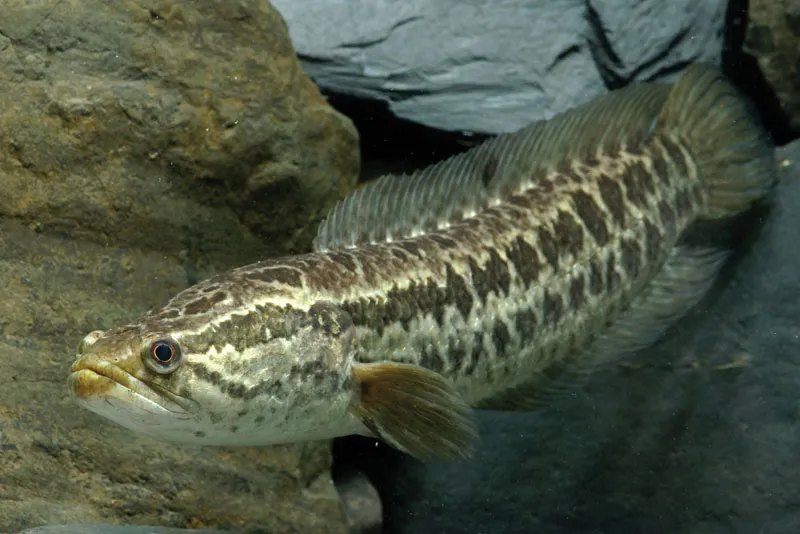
(733,151)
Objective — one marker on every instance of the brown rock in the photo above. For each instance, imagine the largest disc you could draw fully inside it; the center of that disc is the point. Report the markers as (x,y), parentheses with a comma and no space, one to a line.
(166,125)
(773,37)
(144,145)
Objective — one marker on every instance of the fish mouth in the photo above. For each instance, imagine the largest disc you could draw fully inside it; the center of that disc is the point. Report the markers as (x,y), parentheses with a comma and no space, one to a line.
(94,380)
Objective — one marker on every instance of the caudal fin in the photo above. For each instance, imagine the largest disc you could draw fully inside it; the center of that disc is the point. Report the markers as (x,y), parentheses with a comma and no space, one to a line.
(733,151)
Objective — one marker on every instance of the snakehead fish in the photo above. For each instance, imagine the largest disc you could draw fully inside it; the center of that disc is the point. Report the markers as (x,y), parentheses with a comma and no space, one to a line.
(496,279)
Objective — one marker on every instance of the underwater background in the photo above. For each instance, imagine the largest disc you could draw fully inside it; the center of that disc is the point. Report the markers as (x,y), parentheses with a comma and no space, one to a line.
(148,144)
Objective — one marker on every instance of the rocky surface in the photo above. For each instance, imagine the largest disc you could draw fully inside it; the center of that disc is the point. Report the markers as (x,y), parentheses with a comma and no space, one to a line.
(494,67)
(698,436)
(361,501)
(773,37)
(115,529)
(158,124)
(143,145)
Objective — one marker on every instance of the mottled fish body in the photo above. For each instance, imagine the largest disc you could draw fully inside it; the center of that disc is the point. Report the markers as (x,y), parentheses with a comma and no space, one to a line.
(495,279)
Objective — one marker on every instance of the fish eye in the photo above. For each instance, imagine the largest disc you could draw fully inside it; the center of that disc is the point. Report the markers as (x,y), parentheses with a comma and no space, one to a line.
(163,356)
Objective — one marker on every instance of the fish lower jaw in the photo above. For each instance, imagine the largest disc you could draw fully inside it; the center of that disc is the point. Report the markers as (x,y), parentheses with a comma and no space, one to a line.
(91,387)
(118,404)
(88,385)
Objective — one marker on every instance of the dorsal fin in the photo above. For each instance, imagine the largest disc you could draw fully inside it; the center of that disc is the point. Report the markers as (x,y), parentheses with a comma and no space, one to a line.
(400,206)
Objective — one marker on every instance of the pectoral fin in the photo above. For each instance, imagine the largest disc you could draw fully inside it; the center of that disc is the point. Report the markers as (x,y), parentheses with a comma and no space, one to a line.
(414,410)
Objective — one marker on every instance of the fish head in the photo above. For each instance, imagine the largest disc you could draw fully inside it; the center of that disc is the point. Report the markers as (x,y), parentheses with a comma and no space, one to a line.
(266,375)
(133,378)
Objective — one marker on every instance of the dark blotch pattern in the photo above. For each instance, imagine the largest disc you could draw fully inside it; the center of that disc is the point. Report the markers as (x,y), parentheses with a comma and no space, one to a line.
(458,292)
(364,312)
(331,319)
(198,306)
(592,216)
(203,304)
(631,257)
(429,359)
(399,254)
(526,323)
(284,275)
(568,233)
(612,276)
(458,355)
(445,242)
(613,198)
(244,331)
(660,168)
(553,307)
(577,292)
(477,353)
(544,183)
(325,274)
(646,179)
(500,337)
(652,241)
(548,246)
(525,260)
(215,378)
(410,246)
(634,189)
(595,278)
(344,259)
(402,305)
(524,201)
(493,278)
(168,314)
(313,369)
(559,177)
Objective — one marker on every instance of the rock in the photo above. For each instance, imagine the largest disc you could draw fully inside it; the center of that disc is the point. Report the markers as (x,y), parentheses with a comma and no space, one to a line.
(114,529)
(496,67)
(145,145)
(161,124)
(698,436)
(362,503)
(773,37)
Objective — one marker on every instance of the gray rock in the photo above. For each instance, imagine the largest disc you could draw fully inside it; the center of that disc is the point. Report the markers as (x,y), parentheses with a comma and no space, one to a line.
(362,503)
(773,37)
(494,67)
(699,435)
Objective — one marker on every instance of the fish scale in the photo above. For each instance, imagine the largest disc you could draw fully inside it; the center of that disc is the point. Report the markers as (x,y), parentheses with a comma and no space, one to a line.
(521,248)
(500,278)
